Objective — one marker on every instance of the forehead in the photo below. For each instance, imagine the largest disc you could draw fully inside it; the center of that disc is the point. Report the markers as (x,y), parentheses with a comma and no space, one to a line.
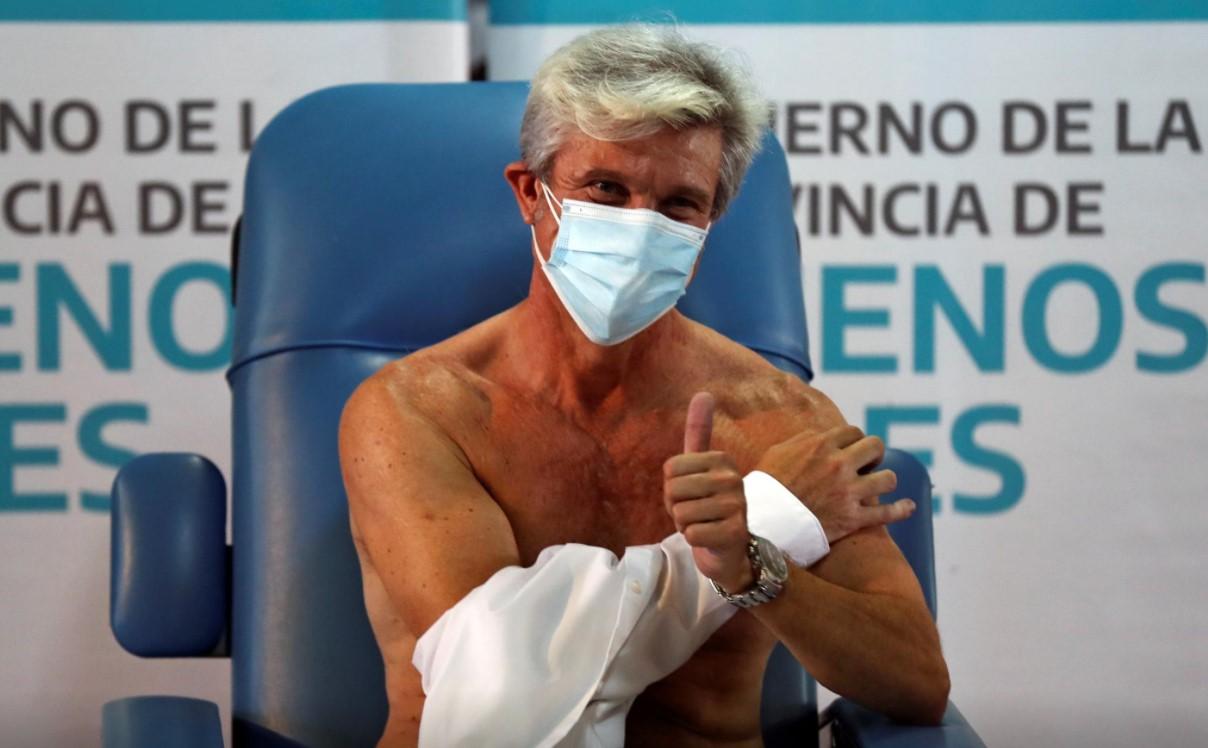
(691,156)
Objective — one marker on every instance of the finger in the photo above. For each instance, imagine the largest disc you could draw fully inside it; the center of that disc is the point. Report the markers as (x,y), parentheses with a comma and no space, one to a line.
(698,431)
(868,489)
(842,436)
(879,483)
(718,534)
(700,485)
(711,509)
(696,462)
(887,514)
(865,453)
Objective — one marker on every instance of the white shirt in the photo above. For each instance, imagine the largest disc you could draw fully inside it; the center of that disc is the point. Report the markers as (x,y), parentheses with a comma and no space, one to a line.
(554,654)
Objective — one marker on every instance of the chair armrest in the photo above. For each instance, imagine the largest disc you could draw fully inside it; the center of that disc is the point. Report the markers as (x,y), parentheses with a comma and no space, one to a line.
(169,579)
(853,726)
(161,722)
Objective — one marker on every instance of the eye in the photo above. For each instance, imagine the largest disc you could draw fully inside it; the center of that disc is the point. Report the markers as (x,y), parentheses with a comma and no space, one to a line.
(605,191)
(681,208)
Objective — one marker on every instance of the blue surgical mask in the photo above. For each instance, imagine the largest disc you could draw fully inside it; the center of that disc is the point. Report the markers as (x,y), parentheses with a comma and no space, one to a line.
(618,270)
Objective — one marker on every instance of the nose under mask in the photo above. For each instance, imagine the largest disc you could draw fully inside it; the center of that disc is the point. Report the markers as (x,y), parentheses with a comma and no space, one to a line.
(617,270)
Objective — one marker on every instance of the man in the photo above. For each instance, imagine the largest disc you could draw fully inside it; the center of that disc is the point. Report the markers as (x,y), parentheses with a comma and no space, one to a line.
(573,419)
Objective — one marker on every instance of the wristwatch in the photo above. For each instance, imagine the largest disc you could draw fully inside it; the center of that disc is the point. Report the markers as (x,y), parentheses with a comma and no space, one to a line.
(771,574)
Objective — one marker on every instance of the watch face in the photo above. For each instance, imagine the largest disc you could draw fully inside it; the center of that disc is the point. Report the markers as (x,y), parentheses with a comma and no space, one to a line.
(772,559)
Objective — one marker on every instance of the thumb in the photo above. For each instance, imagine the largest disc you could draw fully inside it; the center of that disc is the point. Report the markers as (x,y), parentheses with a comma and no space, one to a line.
(698,430)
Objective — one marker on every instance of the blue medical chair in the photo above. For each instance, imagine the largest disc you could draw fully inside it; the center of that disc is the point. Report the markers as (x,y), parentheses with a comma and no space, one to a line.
(377,222)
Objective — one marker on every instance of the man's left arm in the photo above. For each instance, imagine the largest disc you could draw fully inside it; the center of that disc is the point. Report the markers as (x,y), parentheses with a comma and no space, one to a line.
(856,620)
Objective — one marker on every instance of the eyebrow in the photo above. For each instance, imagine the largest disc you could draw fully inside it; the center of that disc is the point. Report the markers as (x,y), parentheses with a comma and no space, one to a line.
(684,190)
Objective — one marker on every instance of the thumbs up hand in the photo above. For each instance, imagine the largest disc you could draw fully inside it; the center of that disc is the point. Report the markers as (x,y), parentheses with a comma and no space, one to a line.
(702,491)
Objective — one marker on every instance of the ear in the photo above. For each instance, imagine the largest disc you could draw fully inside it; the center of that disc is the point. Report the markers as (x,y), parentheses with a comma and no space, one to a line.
(525,187)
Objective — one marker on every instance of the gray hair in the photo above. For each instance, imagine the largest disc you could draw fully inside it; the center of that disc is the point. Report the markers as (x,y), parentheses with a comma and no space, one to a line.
(625,82)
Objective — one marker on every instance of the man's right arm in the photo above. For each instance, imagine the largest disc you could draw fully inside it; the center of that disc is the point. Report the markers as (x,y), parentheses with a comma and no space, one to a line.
(430,529)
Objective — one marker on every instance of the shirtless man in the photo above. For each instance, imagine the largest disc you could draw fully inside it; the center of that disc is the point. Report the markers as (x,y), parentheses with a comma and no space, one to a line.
(522,433)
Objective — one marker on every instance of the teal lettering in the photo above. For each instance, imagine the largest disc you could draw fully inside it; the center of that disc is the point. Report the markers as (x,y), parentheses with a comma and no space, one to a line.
(1110,318)
(57,291)
(9,272)
(837,317)
(1194,332)
(1009,471)
(163,331)
(94,446)
(11,456)
(932,291)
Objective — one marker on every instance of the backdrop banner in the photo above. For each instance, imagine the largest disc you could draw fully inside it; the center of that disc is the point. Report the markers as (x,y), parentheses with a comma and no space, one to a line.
(1003,210)
(124,130)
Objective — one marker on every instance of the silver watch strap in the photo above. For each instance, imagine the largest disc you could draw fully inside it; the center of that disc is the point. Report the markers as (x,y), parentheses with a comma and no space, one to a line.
(764,589)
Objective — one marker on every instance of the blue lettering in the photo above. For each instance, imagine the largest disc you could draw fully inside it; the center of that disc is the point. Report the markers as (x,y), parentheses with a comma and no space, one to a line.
(1035,308)
(163,331)
(837,317)
(931,290)
(55,290)
(1151,308)
(93,444)
(11,456)
(1010,472)
(9,361)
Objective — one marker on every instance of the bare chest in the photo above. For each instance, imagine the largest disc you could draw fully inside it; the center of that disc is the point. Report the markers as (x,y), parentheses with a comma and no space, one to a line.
(564,482)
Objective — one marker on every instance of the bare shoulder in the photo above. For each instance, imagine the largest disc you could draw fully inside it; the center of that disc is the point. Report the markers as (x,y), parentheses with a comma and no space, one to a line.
(400,423)
(415,503)
(432,385)
(754,392)
(439,384)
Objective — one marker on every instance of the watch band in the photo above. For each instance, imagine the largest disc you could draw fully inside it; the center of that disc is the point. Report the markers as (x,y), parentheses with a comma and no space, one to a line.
(769,582)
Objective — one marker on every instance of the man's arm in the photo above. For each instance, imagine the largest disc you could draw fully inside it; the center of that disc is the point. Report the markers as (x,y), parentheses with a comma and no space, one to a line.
(430,529)
(856,620)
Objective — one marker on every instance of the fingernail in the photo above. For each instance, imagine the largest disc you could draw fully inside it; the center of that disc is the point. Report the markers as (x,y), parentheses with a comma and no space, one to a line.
(910,505)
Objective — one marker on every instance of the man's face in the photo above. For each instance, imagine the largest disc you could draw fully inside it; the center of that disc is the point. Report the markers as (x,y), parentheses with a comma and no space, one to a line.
(673,172)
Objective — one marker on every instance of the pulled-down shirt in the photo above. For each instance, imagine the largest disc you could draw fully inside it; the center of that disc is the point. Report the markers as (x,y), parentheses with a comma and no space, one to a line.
(554,654)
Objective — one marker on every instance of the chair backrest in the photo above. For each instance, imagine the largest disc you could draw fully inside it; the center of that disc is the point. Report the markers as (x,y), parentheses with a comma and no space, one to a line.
(377,222)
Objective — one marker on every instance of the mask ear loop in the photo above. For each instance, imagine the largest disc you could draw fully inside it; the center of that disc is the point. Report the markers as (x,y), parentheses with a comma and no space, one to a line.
(548,195)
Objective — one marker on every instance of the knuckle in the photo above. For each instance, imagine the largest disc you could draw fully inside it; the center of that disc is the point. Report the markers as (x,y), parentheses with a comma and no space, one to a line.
(669,467)
(681,519)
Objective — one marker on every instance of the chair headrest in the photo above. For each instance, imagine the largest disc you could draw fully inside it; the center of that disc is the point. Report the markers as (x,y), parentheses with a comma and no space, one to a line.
(378,218)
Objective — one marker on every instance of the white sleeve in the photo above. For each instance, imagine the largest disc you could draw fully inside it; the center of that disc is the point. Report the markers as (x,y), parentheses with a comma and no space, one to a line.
(776,514)
(521,658)
(555,653)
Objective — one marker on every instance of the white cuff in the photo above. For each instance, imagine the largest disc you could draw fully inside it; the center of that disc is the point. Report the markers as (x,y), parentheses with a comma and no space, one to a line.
(775,513)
